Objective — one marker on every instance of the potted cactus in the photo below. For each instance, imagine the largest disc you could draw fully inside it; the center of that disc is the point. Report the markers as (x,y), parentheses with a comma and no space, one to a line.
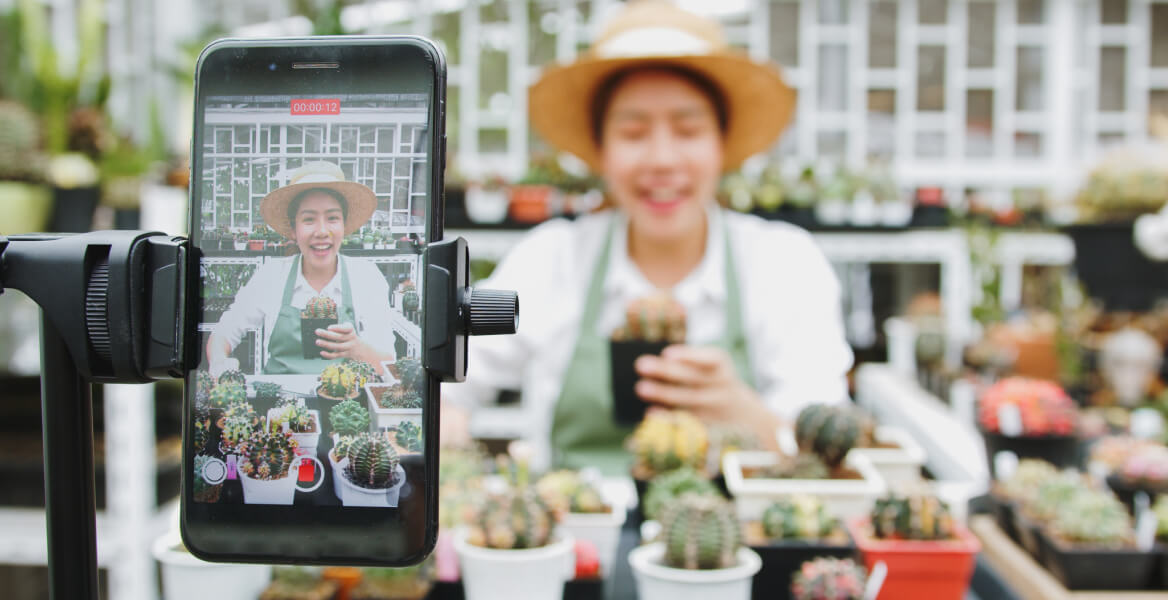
(664,441)
(298,583)
(409,583)
(831,431)
(584,512)
(235,427)
(204,383)
(1090,545)
(410,301)
(667,487)
(652,323)
(318,313)
(1032,418)
(929,554)
(829,578)
(407,438)
(348,418)
(392,404)
(292,416)
(1021,487)
(373,475)
(1041,507)
(338,382)
(224,395)
(791,532)
(267,390)
(700,554)
(1145,470)
(267,465)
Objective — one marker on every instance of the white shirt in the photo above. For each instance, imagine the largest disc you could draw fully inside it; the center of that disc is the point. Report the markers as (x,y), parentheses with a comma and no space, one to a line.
(258,302)
(790,299)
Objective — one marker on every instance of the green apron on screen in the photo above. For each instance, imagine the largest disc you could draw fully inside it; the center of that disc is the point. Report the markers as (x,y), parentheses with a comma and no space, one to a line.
(285,353)
(583,432)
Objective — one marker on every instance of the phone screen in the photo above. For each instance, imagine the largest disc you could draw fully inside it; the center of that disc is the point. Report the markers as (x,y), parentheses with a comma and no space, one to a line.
(312,195)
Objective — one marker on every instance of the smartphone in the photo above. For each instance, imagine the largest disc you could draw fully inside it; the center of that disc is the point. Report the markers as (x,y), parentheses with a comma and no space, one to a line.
(316,182)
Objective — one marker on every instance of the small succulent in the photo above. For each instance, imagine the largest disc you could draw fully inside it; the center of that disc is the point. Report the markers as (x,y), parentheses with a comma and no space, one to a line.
(831,431)
(567,492)
(1053,494)
(410,372)
(410,300)
(700,532)
(372,462)
(828,578)
(319,307)
(1044,407)
(238,422)
(341,446)
(398,396)
(409,436)
(362,369)
(917,517)
(1023,484)
(295,414)
(339,382)
(298,583)
(657,318)
(668,440)
(1146,468)
(1093,518)
(798,517)
(267,389)
(801,466)
(667,487)
(514,519)
(226,394)
(268,455)
(233,376)
(379,583)
(349,418)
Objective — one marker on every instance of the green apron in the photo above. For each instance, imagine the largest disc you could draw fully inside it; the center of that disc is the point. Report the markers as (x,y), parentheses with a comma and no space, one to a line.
(285,353)
(583,433)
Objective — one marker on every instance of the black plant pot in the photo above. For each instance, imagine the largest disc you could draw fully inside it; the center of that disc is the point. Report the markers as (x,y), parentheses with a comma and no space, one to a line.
(1113,270)
(781,560)
(1097,568)
(1059,450)
(73,209)
(800,216)
(627,407)
(929,216)
(308,335)
(1127,492)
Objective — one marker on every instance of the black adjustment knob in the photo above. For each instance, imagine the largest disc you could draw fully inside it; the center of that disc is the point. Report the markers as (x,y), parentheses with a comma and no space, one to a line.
(493,312)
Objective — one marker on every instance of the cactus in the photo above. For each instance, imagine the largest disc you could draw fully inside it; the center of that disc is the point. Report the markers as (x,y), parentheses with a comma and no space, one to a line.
(657,318)
(319,307)
(831,431)
(238,422)
(700,532)
(362,369)
(349,418)
(410,300)
(1053,494)
(828,578)
(399,396)
(515,519)
(798,517)
(204,383)
(296,415)
(912,518)
(20,138)
(1023,484)
(341,446)
(372,462)
(267,389)
(1093,518)
(225,395)
(668,440)
(233,376)
(1044,407)
(339,383)
(411,374)
(204,492)
(267,455)
(409,436)
(666,488)
(1146,468)
(568,492)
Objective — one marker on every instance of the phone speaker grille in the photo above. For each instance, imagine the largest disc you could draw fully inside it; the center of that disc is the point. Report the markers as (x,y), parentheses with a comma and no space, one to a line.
(316,65)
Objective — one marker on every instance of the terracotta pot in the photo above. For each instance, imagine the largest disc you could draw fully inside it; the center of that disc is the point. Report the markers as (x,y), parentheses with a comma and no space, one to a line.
(531,203)
(938,570)
(345,577)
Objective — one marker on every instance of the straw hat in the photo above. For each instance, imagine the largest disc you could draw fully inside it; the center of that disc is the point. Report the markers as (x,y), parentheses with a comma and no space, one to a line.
(655,32)
(360,199)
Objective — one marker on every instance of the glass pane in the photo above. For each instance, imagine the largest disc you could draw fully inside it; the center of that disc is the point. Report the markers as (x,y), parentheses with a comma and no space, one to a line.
(982,17)
(1030,12)
(492,75)
(930,144)
(384,177)
(312,139)
(542,25)
(979,123)
(833,145)
(932,11)
(1112,78)
(881,123)
(492,140)
(295,135)
(348,139)
(1028,84)
(833,77)
(1027,145)
(446,31)
(833,12)
(421,175)
(1157,112)
(385,140)
(222,139)
(1113,11)
(931,78)
(1159,35)
(882,35)
(784,33)
(401,193)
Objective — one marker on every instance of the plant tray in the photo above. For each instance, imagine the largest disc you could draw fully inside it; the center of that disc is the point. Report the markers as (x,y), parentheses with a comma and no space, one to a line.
(1097,568)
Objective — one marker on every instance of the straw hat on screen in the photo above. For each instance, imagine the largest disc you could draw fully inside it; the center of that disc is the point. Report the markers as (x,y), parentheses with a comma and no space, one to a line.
(360,201)
(656,33)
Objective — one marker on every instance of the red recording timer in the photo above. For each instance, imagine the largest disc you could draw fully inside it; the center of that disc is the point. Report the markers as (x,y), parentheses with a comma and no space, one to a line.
(316,106)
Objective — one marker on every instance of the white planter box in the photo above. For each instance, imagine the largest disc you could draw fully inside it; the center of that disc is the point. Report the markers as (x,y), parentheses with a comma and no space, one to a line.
(655,581)
(533,574)
(353,495)
(185,577)
(486,206)
(843,498)
(896,465)
(276,491)
(385,418)
(602,529)
(306,443)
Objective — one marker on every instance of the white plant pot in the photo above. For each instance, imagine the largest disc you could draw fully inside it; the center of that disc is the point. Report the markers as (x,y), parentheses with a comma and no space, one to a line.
(486,206)
(276,491)
(338,470)
(185,577)
(864,212)
(367,245)
(843,498)
(532,574)
(240,246)
(832,212)
(896,465)
(602,529)
(655,581)
(353,495)
(385,418)
(306,443)
(896,213)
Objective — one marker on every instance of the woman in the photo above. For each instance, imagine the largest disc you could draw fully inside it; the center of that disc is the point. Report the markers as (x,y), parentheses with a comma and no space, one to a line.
(661,108)
(316,211)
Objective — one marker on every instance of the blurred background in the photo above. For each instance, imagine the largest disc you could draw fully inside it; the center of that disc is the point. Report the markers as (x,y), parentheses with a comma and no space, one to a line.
(950,157)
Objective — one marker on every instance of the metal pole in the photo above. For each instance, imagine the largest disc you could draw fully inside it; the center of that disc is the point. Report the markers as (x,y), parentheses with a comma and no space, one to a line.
(67,417)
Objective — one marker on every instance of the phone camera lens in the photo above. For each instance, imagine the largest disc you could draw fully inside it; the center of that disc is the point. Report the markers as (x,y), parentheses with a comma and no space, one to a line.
(272,67)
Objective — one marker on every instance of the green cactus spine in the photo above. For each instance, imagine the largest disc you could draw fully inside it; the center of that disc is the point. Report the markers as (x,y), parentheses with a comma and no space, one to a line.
(372,462)
(700,532)
(268,455)
(399,396)
(319,307)
(798,517)
(349,418)
(912,518)
(668,487)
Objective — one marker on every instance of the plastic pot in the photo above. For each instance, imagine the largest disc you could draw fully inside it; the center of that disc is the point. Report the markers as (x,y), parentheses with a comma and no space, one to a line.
(387,418)
(25,207)
(1080,568)
(782,559)
(308,336)
(602,529)
(901,464)
(185,577)
(306,443)
(531,203)
(843,498)
(355,495)
(655,581)
(1098,249)
(531,574)
(937,570)
(627,407)
(276,491)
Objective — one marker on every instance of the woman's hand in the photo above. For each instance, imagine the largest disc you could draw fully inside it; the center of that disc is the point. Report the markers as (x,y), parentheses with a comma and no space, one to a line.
(703,381)
(341,341)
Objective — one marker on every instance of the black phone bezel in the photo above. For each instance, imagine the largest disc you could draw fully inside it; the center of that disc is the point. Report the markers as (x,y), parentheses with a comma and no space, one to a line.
(248,533)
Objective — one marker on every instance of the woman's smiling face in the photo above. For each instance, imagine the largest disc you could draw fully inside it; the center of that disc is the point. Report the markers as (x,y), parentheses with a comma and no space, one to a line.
(318,228)
(661,151)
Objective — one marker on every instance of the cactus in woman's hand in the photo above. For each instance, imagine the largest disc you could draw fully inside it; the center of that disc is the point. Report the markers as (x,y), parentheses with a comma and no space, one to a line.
(657,318)
(349,418)
(267,454)
(667,487)
(319,307)
(412,375)
(233,376)
(912,518)
(831,431)
(1093,518)
(339,382)
(399,396)
(798,517)
(700,532)
(567,492)
(668,440)
(409,436)
(513,520)
(372,462)
(227,394)
(828,578)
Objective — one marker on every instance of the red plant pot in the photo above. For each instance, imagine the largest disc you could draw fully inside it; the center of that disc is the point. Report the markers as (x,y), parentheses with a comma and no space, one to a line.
(917,569)
(255,245)
(531,203)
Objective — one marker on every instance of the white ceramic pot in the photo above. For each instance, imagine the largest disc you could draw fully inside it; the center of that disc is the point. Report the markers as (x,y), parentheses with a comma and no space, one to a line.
(486,206)
(533,574)
(306,443)
(843,498)
(386,418)
(896,465)
(185,577)
(832,212)
(241,246)
(896,213)
(864,212)
(655,581)
(353,495)
(276,491)
(602,529)
(338,468)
